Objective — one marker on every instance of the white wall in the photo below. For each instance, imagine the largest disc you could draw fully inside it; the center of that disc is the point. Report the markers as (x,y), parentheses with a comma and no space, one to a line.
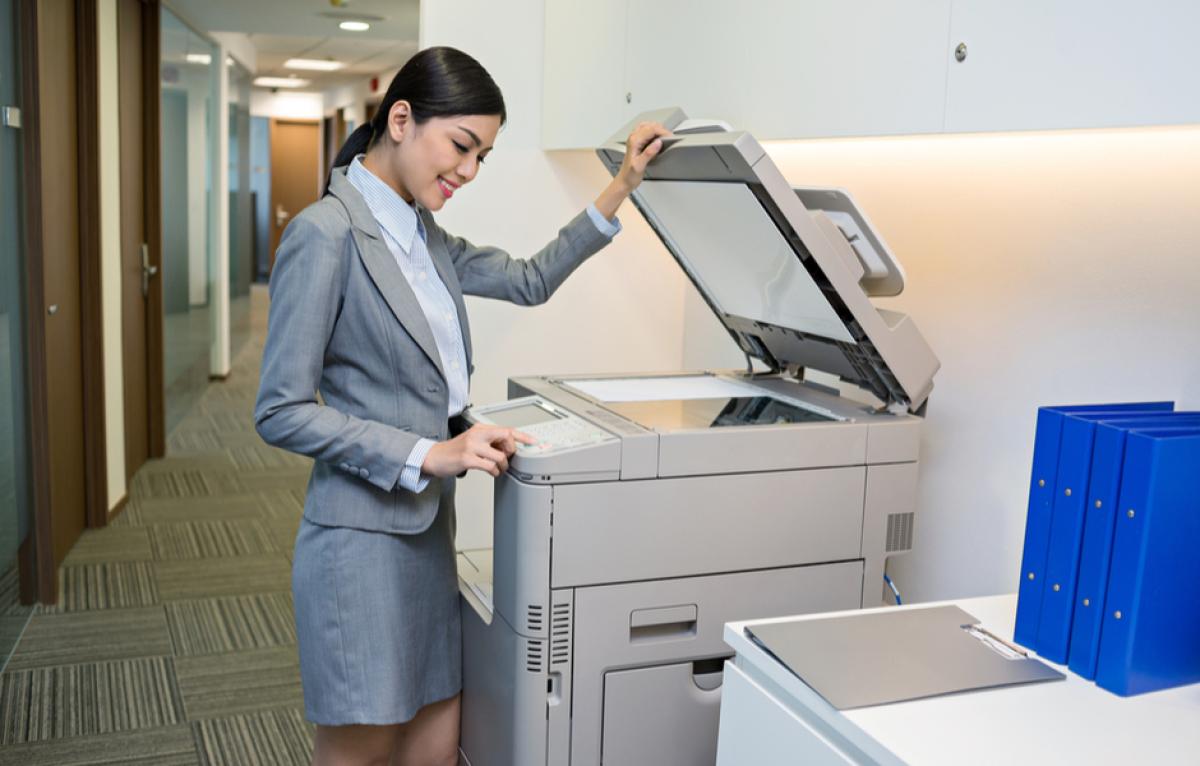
(240,46)
(110,249)
(623,310)
(1043,269)
(286,104)
(218,223)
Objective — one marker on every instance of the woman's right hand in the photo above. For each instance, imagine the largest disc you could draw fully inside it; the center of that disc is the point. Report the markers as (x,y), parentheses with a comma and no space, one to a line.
(479,448)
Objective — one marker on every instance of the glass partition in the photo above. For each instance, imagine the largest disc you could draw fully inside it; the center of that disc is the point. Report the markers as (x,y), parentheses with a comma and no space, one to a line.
(188,142)
(14,488)
(241,208)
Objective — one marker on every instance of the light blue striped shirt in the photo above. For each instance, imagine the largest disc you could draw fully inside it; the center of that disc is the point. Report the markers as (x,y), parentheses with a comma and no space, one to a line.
(404,235)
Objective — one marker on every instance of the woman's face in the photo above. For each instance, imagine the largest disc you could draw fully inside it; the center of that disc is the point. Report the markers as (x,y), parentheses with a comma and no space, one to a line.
(433,160)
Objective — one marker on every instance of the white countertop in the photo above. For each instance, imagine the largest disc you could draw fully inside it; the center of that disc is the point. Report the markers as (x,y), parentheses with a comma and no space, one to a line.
(1059,722)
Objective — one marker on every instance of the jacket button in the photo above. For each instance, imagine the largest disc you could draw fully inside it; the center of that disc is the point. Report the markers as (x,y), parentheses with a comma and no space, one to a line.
(363,472)
(345,466)
(432,389)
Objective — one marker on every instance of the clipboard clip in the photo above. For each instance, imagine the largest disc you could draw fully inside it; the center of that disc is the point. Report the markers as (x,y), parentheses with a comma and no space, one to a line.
(989,639)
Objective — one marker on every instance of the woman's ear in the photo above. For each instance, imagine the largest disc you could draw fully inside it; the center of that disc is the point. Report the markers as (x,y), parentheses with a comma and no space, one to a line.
(399,120)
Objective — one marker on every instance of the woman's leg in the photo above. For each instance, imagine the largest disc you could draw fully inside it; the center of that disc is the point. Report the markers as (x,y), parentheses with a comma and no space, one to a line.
(430,738)
(355,745)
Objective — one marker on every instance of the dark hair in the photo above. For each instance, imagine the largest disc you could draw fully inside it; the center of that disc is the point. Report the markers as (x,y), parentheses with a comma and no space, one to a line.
(436,82)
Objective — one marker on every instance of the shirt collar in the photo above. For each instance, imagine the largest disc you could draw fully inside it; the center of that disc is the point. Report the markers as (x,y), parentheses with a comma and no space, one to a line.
(395,216)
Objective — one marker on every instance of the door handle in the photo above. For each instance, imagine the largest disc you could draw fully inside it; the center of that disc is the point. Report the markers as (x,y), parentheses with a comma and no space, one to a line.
(147,270)
(52,309)
(281,216)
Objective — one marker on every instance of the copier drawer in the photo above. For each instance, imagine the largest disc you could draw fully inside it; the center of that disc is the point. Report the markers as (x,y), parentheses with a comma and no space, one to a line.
(626,531)
(662,716)
(634,646)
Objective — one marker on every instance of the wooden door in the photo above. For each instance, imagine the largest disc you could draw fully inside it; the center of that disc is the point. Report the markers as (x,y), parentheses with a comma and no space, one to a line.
(141,293)
(295,172)
(61,279)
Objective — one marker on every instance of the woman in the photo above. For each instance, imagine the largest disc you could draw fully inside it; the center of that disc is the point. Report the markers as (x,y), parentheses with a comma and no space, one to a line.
(367,309)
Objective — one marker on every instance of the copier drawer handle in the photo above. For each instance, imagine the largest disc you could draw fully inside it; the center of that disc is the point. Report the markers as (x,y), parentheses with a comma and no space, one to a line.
(662,623)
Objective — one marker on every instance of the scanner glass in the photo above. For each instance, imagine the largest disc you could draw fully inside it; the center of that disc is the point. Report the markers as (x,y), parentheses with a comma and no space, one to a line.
(737,252)
(678,414)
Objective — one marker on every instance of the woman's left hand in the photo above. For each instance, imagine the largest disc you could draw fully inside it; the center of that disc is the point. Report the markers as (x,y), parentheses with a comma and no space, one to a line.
(642,146)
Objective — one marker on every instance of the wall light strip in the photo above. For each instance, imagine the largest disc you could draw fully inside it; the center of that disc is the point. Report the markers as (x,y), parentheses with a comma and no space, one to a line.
(355,26)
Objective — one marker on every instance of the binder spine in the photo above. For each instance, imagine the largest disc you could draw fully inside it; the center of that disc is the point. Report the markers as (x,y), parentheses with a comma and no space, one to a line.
(1066,538)
(1108,455)
(1037,527)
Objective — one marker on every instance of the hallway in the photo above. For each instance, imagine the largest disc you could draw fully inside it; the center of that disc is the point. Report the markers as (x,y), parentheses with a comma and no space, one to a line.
(173,640)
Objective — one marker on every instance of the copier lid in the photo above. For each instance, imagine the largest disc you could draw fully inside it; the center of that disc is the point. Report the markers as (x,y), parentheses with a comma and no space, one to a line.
(785,283)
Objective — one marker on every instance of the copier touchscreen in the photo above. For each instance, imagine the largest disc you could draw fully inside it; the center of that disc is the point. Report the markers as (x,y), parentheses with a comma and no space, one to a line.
(733,248)
(519,417)
(715,413)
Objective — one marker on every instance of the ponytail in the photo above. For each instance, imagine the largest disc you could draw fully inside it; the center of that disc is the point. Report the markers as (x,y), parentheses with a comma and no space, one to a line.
(436,82)
(358,143)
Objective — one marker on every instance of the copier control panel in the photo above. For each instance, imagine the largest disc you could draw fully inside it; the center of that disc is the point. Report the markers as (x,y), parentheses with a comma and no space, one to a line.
(556,429)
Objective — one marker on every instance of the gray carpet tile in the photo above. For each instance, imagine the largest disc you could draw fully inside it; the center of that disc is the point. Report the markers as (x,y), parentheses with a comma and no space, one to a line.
(92,636)
(119,585)
(292,478)
(283,531)
(185,483)
(163,746)
(129,516)
(239,682)
(235,576)
(93,698)
(197,441)
(210,539)
(215,625)
(111,543)
(237,506)
(266,738)
(207,462)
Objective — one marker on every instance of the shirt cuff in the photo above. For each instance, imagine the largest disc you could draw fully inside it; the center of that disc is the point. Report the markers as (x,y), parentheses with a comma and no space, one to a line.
(606,227)
(411,477)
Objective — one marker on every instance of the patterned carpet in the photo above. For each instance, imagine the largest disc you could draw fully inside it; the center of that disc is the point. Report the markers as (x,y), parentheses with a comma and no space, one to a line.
(173,640)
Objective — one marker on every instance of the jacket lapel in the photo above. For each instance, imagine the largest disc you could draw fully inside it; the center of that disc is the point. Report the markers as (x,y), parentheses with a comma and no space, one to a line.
(445,269)
(383,269)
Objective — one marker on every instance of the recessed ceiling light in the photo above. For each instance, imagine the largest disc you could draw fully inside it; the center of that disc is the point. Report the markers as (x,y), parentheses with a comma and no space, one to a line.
(280,82)
(355,26)
(316,65)
(198,58)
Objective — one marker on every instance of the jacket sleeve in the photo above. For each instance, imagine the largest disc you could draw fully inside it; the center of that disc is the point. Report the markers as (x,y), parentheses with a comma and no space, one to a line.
(492,273)
(307,284)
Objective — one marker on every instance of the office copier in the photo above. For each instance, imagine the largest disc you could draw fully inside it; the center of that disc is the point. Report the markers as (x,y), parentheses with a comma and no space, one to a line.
(657,507)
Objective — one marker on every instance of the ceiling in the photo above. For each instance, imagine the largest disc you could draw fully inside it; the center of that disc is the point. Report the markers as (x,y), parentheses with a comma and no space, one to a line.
(284,29)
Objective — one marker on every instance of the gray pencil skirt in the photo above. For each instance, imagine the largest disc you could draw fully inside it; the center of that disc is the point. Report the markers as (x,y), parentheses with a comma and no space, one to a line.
(377,621)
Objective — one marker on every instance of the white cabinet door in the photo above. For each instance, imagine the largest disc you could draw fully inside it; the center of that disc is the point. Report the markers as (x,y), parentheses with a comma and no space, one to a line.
(788,69)
(1042,64)
(583,98)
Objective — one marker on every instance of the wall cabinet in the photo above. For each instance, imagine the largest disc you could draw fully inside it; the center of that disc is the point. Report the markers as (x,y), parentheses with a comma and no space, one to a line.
(1033,64)
(828,68)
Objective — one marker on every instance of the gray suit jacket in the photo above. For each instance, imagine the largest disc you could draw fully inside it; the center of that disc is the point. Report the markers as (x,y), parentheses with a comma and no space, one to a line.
(344,322)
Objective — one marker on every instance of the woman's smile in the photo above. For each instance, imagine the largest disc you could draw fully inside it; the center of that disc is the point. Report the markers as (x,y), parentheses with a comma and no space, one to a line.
(446,186)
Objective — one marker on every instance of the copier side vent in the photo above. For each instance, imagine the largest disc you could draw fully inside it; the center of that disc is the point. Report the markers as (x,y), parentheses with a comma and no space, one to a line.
(899,532)
(560,634)
(535,655)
